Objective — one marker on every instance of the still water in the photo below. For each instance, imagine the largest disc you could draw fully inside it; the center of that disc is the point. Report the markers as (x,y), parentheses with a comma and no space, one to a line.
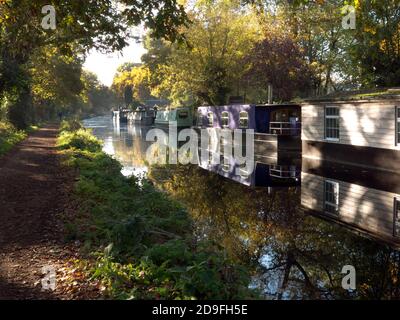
(294,224)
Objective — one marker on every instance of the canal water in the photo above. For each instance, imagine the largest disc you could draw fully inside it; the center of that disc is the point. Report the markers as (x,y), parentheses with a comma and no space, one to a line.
(297,226)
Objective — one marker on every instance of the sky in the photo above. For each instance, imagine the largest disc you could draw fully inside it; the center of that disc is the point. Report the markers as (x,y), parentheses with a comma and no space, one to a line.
(105,65)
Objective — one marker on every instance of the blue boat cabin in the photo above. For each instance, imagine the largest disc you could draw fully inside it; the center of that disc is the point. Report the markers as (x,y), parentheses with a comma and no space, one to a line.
(267,119)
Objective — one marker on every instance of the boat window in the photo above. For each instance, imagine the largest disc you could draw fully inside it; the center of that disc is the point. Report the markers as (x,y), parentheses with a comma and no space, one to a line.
(397,217)
(225,119)
(199,119)
(210,117)
(243,120)
(283,172)
(331,201)
(332,131)
(398,125)
(183,114)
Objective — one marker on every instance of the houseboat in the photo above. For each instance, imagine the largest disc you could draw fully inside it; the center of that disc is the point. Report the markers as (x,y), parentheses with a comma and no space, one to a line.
(276,127)
(367,202)
(354,129)
(142,115)
(182,117)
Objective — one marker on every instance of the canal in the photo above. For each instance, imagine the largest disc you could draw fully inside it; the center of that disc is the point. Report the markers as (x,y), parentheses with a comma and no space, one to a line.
(294,227)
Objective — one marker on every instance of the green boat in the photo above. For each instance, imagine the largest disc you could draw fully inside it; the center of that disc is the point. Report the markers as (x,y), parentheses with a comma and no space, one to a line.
(183,117)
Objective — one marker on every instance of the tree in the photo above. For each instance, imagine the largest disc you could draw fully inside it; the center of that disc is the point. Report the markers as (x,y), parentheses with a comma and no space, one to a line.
(86,25)
(376,55)
(58,83)
(92,24)
(279,61)
(55,81)
(133,85)
(96,98)
(128,95)
(367,56)
(215,87)
(127,67)
(158,52)
(316,27)
(211,64)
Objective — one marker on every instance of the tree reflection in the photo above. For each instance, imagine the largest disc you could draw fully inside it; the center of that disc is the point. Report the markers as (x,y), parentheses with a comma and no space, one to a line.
(291,255)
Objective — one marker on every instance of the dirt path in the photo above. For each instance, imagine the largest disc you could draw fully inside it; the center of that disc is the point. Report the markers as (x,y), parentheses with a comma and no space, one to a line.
(34,193)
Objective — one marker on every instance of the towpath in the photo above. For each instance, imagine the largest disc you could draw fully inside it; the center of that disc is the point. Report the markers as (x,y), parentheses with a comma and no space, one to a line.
(34,197)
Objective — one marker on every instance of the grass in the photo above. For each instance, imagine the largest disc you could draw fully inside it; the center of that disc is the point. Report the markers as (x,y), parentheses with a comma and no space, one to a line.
(141,239)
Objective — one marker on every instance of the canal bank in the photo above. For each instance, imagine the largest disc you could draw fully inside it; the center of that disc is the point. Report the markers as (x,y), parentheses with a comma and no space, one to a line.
(143,239)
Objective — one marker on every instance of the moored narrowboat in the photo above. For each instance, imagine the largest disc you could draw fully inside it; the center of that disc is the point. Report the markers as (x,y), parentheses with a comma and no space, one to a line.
(276,127)
(142,115)
(181,117)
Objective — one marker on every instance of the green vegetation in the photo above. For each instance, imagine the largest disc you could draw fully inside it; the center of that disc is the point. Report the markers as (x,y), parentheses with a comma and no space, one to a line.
(142,239)
(9,136)
(198,52)
(237,48)
(41,70)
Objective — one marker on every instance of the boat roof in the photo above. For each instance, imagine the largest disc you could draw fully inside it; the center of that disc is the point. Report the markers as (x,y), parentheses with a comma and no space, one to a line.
(367,95)
(275,105)
(255,105)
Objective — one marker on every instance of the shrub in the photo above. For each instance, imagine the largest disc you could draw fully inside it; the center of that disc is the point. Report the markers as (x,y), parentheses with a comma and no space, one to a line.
(81,139)
(9,136)
(70,125)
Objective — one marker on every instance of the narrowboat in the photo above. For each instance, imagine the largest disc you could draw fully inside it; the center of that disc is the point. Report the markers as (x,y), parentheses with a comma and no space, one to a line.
(142,115)
(367,202)
(276,127)
(181,117)
(354,129)
(121,115)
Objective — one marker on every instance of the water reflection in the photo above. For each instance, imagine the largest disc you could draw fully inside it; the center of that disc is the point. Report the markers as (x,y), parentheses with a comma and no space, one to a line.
(126,143)
(261,175)
(366,201)
(294,241)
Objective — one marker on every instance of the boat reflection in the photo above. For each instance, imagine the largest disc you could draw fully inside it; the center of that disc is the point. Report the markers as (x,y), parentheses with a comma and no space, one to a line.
(259,174)
(365,201)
